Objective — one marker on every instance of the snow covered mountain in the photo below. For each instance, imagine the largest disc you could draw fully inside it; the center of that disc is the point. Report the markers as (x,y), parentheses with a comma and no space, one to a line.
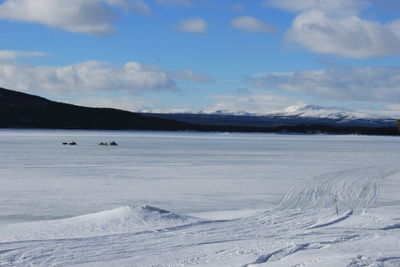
(293,115)
(314,111)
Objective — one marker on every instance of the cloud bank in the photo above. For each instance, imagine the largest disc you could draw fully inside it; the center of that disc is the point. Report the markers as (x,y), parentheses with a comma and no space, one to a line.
(91,76)
(337,28)
(92,17)
(349,36)
(370,84)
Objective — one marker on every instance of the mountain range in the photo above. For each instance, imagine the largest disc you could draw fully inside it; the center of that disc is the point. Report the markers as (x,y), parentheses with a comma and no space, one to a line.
(291,116)
(21,110)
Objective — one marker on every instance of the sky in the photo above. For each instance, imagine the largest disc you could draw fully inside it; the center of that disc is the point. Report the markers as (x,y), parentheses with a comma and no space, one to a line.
(257,56)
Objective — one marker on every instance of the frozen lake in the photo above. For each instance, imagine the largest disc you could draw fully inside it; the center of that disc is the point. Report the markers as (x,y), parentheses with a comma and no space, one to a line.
(206,175)
(183,172)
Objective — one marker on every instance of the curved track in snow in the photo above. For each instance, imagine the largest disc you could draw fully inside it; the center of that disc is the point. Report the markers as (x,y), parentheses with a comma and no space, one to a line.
(351,189)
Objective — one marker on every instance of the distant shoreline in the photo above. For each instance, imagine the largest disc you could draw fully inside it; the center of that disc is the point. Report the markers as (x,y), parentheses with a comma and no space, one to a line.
(299,129)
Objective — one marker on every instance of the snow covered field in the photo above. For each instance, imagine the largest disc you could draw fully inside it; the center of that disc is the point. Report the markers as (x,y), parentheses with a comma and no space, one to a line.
(207,199)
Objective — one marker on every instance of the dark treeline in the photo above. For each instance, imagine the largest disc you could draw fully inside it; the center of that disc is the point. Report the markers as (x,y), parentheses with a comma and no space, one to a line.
(317,129)
(20,110)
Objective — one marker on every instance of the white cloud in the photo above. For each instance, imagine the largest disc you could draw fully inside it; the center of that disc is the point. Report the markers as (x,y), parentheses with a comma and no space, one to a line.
(193,25)
(141,7)
(93,17)
(177,3)
(11,54)
(332,7)
(85,77)
(257,103)
(250,24)
(89,76)
(189,75)
(370,84)
(335,27)
(348,36)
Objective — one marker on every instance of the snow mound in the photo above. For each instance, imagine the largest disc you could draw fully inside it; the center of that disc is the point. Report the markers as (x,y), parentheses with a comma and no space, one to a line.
(145,215)
(119,220)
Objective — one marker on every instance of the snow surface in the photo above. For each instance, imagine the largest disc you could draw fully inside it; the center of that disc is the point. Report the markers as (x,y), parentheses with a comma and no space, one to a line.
(95,206)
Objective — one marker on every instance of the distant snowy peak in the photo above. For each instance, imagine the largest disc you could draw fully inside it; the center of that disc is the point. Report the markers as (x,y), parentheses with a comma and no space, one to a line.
(304,108)
(314,111)
(221,112)
(227,112)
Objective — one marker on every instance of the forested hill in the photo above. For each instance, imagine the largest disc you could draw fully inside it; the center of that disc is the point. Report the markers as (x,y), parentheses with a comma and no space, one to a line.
(21,110)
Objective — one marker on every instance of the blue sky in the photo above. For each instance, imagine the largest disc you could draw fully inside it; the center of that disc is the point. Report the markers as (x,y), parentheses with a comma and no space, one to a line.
(190,55)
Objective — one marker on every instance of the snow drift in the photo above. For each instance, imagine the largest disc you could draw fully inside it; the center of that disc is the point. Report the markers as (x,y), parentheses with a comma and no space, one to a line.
(119,220)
